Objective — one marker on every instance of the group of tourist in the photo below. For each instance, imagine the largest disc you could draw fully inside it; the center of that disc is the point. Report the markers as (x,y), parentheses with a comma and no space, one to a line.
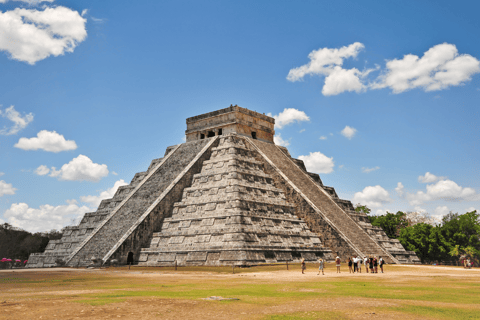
(354,264)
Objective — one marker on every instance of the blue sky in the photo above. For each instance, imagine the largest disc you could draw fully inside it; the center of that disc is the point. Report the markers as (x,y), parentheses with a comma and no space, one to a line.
(380,98)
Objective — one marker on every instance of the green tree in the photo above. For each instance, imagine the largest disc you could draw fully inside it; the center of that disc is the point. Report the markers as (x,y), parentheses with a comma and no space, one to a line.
(391,223)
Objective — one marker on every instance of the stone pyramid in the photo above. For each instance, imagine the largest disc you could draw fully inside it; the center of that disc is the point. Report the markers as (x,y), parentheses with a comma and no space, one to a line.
(228,195)
(232,214)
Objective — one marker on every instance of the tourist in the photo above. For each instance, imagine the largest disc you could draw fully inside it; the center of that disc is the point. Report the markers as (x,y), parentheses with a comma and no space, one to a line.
(320,266)
(370,264)
(365,262)
(382,262)
(338,262)
(303,265)
(360,262)
(350,262)
(375,264)
(355,264)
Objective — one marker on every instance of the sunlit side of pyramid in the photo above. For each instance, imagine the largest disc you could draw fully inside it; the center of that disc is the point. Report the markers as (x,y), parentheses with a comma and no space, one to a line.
(228,195)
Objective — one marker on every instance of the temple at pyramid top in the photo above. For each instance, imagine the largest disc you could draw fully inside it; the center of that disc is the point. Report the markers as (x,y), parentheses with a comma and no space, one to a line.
(233,119)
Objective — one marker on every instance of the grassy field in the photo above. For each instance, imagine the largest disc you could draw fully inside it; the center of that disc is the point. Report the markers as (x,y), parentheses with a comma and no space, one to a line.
(268,292)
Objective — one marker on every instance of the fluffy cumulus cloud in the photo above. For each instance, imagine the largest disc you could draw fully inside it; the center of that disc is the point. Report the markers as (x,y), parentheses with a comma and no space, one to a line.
(372,197)
(439,68)
(318,162)
(6,188)
(46,140)
(44,218)
(279,141)
(94,201)
(80,168)
(470,209)
(368,170)
(19,122)
(323,138)
(289,116)
(348,132)
(440,211)
(328,62)
(32,35)
(429,178)
(42,170)
(446,190)
(400,189)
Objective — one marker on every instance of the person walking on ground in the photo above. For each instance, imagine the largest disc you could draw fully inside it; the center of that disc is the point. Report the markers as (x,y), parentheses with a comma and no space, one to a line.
(382,262)
(303,265)
(338,262)
(370,264)
(360,262)
(365,262)
(375,264)
(320,266)
(355,264)
(350,262)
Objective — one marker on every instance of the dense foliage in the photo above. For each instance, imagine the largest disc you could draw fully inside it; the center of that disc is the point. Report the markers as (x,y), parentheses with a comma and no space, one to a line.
(16,243)
(455,237)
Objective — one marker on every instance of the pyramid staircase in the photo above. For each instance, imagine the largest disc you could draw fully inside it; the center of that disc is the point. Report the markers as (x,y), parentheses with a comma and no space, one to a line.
(352,233)
(232,215)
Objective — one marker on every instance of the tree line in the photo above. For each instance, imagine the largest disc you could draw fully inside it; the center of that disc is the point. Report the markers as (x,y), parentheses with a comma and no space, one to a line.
(451,239)
(16,243)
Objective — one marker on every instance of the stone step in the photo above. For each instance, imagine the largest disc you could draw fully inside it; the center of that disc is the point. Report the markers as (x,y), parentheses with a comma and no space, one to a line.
(319,197)
(116,225)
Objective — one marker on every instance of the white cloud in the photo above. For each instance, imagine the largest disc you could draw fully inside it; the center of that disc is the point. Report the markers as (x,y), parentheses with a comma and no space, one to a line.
(420,209)
(439,68)
(1,174)
(32,35)
(277,139)
(45,218)
(114,173)
(348,132)
(372,197)
(446,190)
(14,116)
(318,162)
(6,188)
(42,170)
(342,80)
(323,138)
(288,116)
(303,130)
(470,209)
(328,62)
(94,201)
(399,189)
(81,168)
(368,170)
(48,141)
(429,178)
(441,210)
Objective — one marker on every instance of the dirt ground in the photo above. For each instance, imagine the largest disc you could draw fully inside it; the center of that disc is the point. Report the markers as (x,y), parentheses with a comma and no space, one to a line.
(22,297)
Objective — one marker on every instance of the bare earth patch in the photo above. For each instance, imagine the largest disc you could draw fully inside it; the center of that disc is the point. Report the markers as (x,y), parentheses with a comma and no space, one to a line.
(403,292)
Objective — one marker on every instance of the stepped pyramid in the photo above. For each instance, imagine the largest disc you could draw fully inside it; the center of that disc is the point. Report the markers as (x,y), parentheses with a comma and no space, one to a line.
(228,195)
(232,214)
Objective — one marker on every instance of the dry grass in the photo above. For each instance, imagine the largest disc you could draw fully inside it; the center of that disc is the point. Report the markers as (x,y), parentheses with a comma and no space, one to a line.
(269,292)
